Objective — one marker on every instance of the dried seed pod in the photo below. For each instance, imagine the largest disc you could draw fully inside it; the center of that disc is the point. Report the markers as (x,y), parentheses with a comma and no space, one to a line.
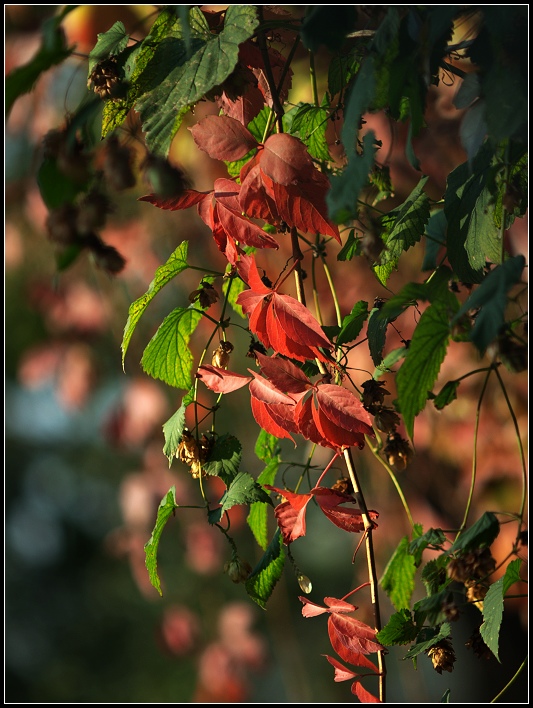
(205,294)
(473,565)
(442,656)
(104,79)
(92,212)
(374,392)
(106,257)
(475,594)
(344,485)
(237,569)
(398,451)
(478,646)
(386,420)
(221,354)
(254,347)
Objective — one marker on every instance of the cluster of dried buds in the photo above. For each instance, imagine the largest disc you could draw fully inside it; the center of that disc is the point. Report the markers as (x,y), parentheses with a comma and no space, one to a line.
(104,79)
(238,570)
(442,656)
(397,450)
(194,453)
(472,569)
(220,356)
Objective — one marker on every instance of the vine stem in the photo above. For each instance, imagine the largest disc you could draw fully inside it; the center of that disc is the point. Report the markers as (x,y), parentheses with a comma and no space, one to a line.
(474,456)
(371,561)
(520,668)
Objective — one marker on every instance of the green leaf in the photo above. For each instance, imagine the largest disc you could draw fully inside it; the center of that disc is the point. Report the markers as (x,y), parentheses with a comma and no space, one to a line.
(167,356)
(108,44)
(163,275)
(392,358)
(434,575)
(258,517)
(492,616)
(432,537)
(352,324)
(166,509)
(430,608)
(435,238)
(472,235)
(180,77)
(429,641)
(360,98)
(267,447)
(342,198)
(243,489)
(342,69)
(224,459)
(446,395)
(512,574)
(481,534)
(55,186)
(376,333)
(53,51)
(398,579)
(351,248)
(426,352)
(400,629)
(404,226)
(267,572)
(309,124)
(491,297)
(435,288)
(173,431)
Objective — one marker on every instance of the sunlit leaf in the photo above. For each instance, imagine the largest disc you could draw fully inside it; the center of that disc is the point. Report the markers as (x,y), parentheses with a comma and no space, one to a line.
(400,629)
(398,579)
(173,431)
(166,509)
(310,123)
(492,616)
(109,43)
(267,572)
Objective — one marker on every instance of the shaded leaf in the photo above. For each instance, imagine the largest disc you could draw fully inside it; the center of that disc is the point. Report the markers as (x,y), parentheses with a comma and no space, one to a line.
(481,534)
(400,629)
(492,616)
(436,228)
(166,508)
(243,489)
(377,333)
(352,324)
(258,517)
(109,43)
(446,395)
(432,537)
(173,430)
(175,264)
(224,459)
(167,356)
(351,248)
(429,641)
(512,574)
(283,374)
(55,186)
(223,138)
(266,574)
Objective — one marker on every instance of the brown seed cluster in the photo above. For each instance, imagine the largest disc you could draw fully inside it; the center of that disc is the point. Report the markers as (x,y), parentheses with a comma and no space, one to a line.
(194,453)
(442,656)
(397,450)
(472,569)
(220,357)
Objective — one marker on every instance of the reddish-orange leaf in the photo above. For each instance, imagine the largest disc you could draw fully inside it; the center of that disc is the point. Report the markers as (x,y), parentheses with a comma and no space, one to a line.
(223,138)
(285,159)
(344,409)
(311,609)
(244,230)
(303,205)
(363,695)
(254,199)
(333,603)
(258,322)
(291,514)
(285,375)
(337,436)
(266,420)
(265,391)
(306,425)
(189,198)
(221,380)
(350,637)
(341,672)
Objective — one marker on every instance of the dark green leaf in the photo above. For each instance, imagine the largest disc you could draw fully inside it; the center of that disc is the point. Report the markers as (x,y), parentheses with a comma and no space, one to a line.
(163,275)
(267,572)
(109,43)
(435,288)
(376,333)
(434,575)
(446,395)
(421,367)
(432,537)
(352,324)
(351,248)
(492,616)
(232,288)
(404,226)
(400,629)
(398,580)
(491,297)
(173,430)
(243,489)
(435,238)
(53,51)
(430,608)
(360,98)
(167,356)
(342,68)
(55,186)
(392,358)
(166,509)
(481,534)
(328,25)
(438,634)
(345,189)
(512,574)
(225,458)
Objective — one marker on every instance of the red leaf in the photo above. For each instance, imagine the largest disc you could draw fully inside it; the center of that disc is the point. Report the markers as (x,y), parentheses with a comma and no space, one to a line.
(298,323)
(254,199)
(344,409)
(220,380)
(250,274)
(265,419)
(311,609)
(266,392)
(337,436)
(285,159)
(350,637)
(285,375)
(363,695)
(244,230)
(189,198)
(306,425)
(303,205)
(341,672)
(347,519)
(223,138)
(244,108)
(336,605)
(291,514)
(258,322)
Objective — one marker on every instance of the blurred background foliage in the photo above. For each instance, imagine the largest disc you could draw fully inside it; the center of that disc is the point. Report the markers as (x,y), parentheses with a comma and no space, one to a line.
(85,470)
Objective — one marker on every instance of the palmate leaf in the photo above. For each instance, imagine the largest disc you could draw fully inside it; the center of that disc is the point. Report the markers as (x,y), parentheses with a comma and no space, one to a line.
(258,517)
(243,489)
(267,572)
(310,124)
(184,77)
(164,274)
(109,43)
(404,226)
(166,509)
(167,356)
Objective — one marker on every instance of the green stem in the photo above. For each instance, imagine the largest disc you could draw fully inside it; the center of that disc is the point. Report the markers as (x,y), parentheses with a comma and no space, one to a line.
(312,75)
(333,291)
(510,683)
(520,448)
(474,457)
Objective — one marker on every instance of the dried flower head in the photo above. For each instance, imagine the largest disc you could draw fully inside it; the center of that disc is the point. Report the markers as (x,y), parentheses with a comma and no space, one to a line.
(374,392)
(398,451)
(442,656)
(205,294)
(221,354)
